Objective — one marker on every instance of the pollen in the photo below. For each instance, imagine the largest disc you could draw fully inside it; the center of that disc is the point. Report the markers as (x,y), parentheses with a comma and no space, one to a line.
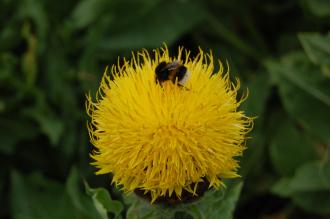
(164,139)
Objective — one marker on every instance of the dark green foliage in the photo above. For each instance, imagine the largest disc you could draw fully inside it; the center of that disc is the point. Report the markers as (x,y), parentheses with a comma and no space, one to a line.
(214,204)
(54,52)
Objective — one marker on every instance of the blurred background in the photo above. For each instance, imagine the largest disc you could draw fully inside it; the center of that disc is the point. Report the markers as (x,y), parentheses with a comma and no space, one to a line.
(54,52)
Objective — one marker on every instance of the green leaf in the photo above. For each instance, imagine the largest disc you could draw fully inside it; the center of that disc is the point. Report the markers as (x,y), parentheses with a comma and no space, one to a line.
(295,69)
(49,123)
(309,177)
(320,8)
(29,59)
(33,10)
(315,202)
(36,198)
(7,66)
(309,188)
(282,187)
(79,199)
(254,106)
(13,131)
(153,28)
(290,149)
(214,204)
(140,208)
(219,206)
(304,91)
(317,47)
(86,12)
(60,80)
(259,90)
(226,33)
(103,201)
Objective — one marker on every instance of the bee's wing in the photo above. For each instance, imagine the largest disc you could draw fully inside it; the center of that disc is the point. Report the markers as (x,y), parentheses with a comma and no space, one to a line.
(173,65)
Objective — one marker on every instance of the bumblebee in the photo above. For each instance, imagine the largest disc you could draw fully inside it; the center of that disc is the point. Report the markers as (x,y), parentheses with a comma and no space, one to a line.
(172,72)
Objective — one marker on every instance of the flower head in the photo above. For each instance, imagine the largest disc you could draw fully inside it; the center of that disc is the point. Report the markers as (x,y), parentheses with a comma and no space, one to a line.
(162,138)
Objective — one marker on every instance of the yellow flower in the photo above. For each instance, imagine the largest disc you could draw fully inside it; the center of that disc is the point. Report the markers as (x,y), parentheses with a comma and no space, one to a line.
(165,138)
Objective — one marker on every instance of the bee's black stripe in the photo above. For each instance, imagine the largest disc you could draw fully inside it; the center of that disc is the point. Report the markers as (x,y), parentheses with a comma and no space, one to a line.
(180,73)
(161,72)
